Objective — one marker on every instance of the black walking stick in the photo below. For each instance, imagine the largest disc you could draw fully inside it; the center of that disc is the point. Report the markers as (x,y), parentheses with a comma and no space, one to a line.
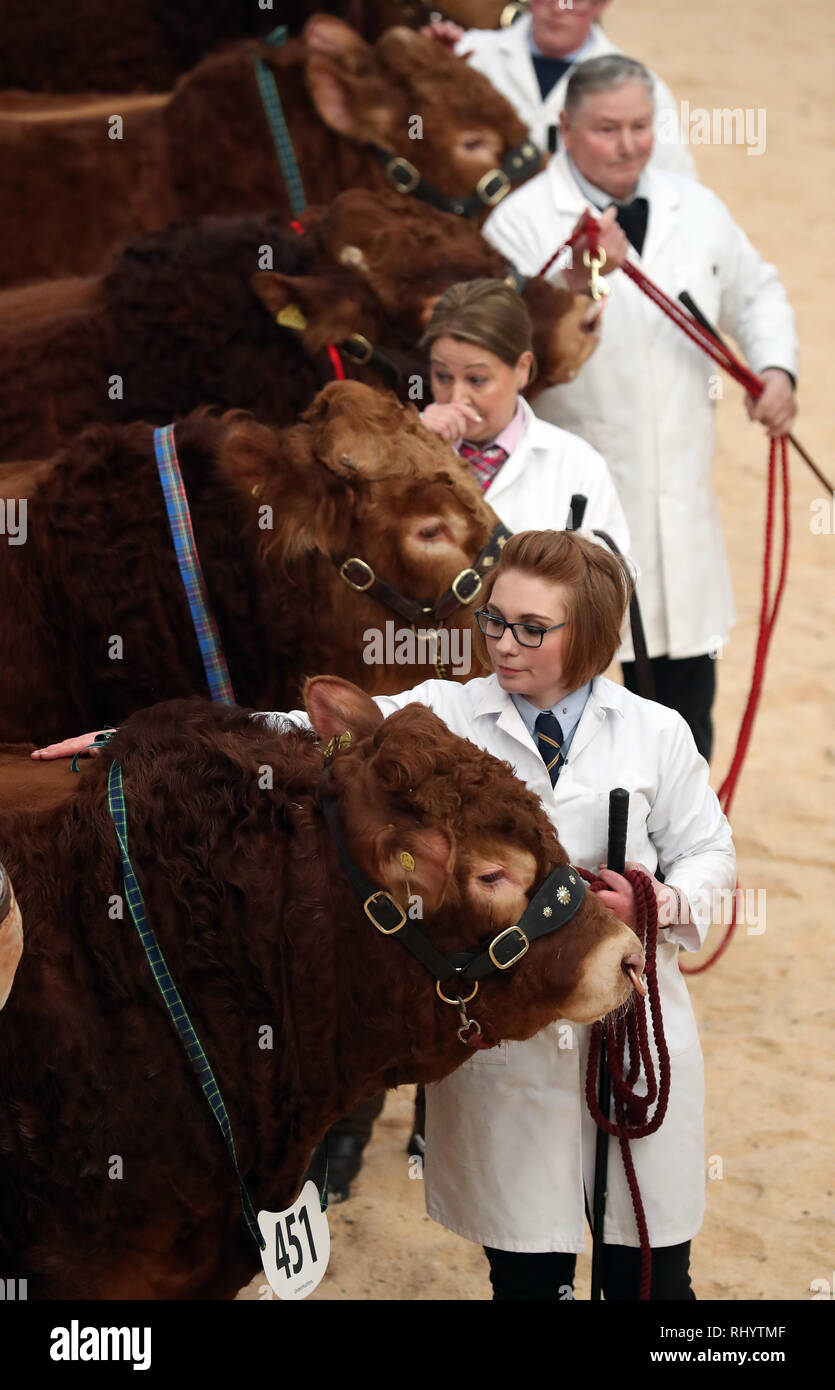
(692,307)
(615,859)
(643,670)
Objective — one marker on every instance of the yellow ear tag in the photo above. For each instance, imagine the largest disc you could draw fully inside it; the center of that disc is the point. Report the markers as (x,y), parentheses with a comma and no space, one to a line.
(344,740)
(407,861)
(291,316)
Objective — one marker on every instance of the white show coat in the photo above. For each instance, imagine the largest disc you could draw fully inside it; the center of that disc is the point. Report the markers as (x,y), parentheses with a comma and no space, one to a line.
(509,1140)
(646,398)
(504,57)
(534,486)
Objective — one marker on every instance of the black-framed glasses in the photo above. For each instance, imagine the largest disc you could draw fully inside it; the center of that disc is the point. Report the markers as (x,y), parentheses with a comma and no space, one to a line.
(526,634)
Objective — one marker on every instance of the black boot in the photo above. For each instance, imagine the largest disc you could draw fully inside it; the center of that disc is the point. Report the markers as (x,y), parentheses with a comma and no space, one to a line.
(344,1146)
(416,1147)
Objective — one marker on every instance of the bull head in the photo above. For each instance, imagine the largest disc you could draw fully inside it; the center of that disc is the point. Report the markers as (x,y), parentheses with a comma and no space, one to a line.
(360,477)
(434,820)
(370,94)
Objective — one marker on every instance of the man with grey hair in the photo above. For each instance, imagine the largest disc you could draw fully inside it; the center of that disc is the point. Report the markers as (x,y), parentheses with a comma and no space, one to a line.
(531,62)
(646,399)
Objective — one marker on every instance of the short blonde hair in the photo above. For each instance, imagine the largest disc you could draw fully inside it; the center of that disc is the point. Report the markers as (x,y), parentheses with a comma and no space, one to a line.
(599,586)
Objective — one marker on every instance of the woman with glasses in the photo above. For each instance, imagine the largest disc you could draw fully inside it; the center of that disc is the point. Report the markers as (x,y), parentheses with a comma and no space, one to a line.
(481,358)
(510,1142)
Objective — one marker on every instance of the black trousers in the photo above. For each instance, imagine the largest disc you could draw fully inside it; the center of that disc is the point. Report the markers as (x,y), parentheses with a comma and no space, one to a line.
(688,685)
(551,1275)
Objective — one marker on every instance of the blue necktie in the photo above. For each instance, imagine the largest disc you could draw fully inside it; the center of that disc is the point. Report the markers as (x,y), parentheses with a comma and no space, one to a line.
(549,743)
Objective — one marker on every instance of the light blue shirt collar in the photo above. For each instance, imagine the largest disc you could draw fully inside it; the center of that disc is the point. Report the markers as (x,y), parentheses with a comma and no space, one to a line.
(568,711)
(597,197)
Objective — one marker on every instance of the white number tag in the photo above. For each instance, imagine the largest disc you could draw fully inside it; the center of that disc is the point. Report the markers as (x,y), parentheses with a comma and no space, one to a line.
(298,1245)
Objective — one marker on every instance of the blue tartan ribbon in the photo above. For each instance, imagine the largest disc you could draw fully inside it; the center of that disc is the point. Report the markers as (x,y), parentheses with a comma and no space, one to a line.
(279,130)
(182,534)
(169,991)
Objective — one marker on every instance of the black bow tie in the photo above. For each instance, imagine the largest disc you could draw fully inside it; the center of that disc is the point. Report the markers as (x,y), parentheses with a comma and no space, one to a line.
(633,218)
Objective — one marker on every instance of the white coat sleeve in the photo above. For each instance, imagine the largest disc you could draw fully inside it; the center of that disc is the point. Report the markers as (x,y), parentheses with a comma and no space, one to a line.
(754,306)
(515,229)
(283,720)
(669,151)
(691,835)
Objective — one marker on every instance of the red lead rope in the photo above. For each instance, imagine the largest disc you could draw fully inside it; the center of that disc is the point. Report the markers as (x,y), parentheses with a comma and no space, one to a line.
(629,1029)
(768,608)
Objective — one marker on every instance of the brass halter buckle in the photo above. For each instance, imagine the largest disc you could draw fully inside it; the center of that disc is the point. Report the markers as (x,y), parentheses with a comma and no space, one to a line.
(371,906)
(402,174)
(354,560)
(503,186)
(469,575)
(502,964)
(358,349)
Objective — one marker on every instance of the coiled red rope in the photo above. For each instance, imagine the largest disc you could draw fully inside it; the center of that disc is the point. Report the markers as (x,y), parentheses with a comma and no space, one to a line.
(769,608)
(627,1033)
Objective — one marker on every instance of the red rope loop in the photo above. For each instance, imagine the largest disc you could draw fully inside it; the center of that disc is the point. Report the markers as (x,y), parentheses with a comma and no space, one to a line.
(768,609)
(627,1033)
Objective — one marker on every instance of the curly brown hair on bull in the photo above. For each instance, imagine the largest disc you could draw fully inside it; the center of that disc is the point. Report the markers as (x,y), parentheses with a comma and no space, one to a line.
(94,621)
(265,939)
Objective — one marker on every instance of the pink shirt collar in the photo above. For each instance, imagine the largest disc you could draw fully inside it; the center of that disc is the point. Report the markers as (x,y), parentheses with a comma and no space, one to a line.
(508,438)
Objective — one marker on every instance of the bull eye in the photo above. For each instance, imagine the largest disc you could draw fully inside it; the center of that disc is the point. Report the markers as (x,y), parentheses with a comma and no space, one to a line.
(428,533)
(491,878)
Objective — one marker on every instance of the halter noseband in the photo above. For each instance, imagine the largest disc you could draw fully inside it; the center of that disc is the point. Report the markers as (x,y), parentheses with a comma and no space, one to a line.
(359,575)
(406,178)
(557,901)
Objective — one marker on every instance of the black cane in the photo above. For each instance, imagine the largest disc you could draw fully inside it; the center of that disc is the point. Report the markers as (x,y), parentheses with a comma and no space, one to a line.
(577,511)
(615,859)
(690,304)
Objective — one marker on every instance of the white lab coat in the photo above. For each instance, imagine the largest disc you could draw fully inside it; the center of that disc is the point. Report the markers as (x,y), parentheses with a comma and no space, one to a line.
(504,56)
(646,398)
(509,1141)
(533,488)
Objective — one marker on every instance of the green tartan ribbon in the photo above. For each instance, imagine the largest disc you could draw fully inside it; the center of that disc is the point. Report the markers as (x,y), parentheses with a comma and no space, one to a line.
(279,130)
(170,993)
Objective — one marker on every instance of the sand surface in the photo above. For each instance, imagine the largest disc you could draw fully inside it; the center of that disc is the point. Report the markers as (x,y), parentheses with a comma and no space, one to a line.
(764,1010)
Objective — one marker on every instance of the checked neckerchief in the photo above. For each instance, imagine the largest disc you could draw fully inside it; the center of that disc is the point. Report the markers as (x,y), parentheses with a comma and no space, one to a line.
(548,734)
(484,463)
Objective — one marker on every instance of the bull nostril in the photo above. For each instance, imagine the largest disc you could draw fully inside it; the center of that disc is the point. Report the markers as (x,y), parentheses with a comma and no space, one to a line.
(633,965)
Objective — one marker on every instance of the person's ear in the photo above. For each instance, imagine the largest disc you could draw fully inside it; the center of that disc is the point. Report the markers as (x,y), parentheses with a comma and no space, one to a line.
(565,130)
(523,370)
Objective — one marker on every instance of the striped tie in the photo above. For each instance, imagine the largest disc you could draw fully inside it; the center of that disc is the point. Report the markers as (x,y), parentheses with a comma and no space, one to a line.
(484,462)
(549,743)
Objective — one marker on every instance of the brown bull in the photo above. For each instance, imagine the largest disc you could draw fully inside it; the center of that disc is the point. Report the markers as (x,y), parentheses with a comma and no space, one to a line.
(146,46)
(94,621)
(80,181)
(185,317)
(265,937)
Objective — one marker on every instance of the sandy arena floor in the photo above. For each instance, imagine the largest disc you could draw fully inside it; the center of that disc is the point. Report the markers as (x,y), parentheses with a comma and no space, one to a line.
(766,1028)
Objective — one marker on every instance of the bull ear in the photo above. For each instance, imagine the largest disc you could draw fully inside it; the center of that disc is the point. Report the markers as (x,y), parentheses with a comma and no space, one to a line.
(416,862)
(335,705)
(358,107)
(354,428)
(310,304)
(324,33)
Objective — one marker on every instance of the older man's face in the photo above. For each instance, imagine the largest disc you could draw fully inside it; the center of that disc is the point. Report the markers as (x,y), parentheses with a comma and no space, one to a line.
(561,29)
(610,137)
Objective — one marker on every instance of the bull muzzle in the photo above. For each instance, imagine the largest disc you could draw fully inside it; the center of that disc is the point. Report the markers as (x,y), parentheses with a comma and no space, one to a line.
(11,936)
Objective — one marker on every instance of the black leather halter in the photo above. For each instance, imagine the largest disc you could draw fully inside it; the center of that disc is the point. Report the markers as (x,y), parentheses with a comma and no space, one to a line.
(359,575)
(558,900)
(405,177)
